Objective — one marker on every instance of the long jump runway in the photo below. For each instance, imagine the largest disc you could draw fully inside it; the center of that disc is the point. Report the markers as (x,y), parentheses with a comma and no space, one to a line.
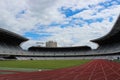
(94,70)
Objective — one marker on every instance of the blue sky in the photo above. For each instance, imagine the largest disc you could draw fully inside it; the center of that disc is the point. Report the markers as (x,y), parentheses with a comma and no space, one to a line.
(65,21)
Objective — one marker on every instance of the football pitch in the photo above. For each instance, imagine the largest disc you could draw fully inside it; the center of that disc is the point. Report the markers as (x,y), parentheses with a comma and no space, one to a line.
(39,64)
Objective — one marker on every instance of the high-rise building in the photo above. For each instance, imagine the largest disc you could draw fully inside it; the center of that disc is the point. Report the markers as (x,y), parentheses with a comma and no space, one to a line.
(51,44)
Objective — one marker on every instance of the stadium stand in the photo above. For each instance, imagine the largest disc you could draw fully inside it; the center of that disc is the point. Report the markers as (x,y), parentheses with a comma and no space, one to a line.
(9,44)
(110,43)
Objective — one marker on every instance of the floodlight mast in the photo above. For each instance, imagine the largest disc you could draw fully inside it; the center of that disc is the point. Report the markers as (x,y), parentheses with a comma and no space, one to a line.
(40,43)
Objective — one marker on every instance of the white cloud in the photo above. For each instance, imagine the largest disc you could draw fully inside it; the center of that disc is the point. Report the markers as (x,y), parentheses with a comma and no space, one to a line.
(75,4)
(47,11)
(8,11)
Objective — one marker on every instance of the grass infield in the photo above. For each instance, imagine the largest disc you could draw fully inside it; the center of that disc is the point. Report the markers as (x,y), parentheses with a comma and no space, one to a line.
(117,60)
(40,64)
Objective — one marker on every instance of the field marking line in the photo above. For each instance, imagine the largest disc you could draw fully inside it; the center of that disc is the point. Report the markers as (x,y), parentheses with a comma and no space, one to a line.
(75,69)
(113,70)
(59,73)
(105,76)
(87,67)
(90,77)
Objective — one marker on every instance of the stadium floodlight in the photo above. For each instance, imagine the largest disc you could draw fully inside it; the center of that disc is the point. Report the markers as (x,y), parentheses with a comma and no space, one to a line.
(40,43)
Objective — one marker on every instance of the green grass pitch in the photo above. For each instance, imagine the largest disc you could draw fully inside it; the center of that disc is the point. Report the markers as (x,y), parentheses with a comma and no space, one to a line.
(41,64)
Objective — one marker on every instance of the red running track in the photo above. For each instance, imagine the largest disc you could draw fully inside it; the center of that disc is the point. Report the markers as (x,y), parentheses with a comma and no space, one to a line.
(94,70)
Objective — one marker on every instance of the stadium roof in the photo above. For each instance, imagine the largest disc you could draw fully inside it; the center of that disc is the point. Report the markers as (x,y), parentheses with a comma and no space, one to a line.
(112,37)
(10,38)
(78,48)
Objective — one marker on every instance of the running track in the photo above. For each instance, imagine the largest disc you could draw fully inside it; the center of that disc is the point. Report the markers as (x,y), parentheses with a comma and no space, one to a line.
(94,70)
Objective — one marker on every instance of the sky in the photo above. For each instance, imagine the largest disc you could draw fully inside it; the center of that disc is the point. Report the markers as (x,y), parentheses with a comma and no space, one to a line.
(68,22)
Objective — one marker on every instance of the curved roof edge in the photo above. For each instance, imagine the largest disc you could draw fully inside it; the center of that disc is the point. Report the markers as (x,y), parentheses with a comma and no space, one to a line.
(113,32)
(13,34)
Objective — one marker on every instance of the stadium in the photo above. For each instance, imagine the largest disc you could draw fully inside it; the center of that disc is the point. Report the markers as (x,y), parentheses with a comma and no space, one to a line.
(109,48)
